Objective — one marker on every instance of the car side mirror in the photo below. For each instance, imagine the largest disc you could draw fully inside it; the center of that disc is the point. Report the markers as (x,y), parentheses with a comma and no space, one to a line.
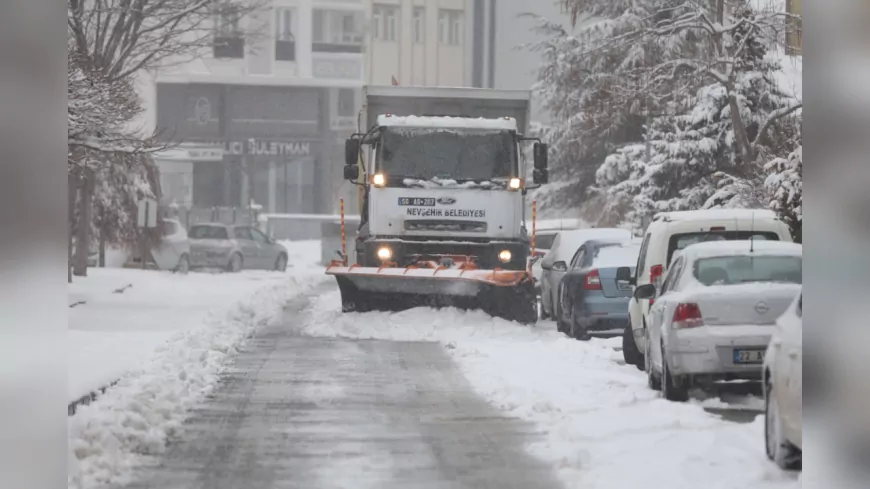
(351,172)
(540,155)
(540,176)
(560,266)
(351,152)
(646,291)
(623,274)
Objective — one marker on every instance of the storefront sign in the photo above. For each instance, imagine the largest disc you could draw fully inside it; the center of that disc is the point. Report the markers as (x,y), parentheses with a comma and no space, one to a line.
(212,150)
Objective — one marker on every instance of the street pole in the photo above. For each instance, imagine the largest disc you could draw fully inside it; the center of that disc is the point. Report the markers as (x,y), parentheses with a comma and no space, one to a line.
(83,235)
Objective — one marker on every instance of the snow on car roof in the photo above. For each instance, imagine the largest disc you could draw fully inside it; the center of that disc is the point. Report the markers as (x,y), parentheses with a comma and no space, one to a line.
(504,123)
(570,241)
(621,255)
(741,214)
(741,247)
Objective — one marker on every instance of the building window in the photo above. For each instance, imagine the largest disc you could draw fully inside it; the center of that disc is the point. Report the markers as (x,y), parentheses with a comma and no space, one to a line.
(228,41)
(450,27)
(285,42)
(385,21)
(337,31)
(346,102)
(419,25)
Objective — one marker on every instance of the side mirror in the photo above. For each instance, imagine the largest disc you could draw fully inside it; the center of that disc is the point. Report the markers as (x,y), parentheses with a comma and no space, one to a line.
(351,172)
(351,152)
(540,176)
(540,153)
(623,274)
(647,291)
(560,266)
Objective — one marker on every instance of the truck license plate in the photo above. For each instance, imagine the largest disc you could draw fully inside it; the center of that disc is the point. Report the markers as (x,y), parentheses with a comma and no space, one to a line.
(748,356)
(417,201)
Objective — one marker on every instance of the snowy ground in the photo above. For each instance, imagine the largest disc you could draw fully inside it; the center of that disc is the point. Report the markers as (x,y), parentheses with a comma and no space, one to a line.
(606,428)
(164,338)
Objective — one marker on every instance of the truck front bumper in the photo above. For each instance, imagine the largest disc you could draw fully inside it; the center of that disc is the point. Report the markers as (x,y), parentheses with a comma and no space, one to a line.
(406,252)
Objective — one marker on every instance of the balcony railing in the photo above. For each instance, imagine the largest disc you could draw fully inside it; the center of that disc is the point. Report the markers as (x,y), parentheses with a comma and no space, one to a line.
(332,47)
(229,47)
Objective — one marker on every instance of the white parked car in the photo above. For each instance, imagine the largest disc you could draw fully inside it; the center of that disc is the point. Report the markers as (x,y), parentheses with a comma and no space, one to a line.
(554,265)
(715,313)
(783,389)
(172,253)
(672,231)
(545,234)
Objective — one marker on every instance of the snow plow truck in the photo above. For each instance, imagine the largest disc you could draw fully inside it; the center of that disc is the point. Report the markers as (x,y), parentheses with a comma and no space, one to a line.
(441,179)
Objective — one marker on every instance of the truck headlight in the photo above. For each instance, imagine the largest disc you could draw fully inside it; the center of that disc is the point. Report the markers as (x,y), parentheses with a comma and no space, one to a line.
(504,256)
(515,183)
(385,253)
(379,180)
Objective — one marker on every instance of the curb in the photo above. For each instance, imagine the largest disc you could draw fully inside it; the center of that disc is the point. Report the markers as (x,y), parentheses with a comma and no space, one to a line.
(119,290)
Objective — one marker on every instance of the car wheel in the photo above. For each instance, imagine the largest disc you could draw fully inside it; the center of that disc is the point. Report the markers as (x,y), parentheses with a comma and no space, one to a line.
(778,449)
(183,265)
(673,387)
(577,331)
(630,352)
(236,263)
(281,263)
(653,381)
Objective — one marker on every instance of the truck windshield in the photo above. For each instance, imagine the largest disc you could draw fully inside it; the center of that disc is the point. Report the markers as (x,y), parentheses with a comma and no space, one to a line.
(463,155)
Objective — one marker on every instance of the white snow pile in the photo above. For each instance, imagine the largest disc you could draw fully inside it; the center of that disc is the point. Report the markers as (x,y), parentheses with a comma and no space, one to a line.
(605,429)
(134,419)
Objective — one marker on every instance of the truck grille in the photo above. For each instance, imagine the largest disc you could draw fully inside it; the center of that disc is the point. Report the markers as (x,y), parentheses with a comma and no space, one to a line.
(445,225)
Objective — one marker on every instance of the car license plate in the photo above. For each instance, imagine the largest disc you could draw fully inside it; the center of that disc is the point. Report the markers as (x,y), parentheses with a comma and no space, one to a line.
(748,356)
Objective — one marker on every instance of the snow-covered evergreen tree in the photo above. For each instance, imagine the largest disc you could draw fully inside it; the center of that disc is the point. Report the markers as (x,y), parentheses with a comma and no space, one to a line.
(784,184)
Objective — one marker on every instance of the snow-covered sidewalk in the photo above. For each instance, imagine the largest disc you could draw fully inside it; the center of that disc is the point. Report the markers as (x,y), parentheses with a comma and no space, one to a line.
(606,428)
(165,339)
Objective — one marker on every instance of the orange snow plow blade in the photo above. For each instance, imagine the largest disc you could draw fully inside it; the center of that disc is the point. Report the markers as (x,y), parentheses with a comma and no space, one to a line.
(503,293)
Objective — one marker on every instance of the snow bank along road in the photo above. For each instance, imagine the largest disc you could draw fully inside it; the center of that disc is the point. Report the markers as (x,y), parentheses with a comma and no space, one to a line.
(445,398)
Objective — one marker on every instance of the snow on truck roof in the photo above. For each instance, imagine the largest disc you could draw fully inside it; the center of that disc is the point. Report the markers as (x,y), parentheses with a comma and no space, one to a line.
(503,124)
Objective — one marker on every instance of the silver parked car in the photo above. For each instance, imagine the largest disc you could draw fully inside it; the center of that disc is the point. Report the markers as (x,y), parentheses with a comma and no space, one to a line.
(716,312)
(233,247)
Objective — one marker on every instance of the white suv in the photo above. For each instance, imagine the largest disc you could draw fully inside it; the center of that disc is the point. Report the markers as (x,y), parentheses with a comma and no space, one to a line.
(672,231)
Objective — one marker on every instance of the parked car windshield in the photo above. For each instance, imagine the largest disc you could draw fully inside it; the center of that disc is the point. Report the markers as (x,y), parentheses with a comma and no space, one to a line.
(208,232)
(680,241)
(738,269)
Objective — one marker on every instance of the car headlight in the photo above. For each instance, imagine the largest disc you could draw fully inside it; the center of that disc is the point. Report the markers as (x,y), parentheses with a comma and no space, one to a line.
(505,256)
(385,253)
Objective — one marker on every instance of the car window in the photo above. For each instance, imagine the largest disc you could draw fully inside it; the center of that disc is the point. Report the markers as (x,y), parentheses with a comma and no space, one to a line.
(168,228)
(242,233)
(258,236)
(680,241)
(641,257)
(545,241)
(578,257)
(208,232)
(672,276)
(738,269)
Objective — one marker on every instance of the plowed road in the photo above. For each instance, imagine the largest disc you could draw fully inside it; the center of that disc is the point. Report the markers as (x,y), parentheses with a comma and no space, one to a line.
(298,412)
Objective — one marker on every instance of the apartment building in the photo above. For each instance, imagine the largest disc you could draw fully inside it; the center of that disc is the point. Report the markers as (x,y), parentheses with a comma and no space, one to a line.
(431,42)
(263,119)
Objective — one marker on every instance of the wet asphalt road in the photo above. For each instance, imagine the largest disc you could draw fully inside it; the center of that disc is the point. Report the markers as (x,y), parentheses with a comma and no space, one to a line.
(299,412)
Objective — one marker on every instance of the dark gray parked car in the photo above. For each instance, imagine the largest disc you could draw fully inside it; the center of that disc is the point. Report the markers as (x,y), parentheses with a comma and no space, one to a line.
(234,247)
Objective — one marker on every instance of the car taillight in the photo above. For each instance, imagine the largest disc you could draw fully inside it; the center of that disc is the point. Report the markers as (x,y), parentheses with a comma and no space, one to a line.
(592,281)
(687,315)
(655,272)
